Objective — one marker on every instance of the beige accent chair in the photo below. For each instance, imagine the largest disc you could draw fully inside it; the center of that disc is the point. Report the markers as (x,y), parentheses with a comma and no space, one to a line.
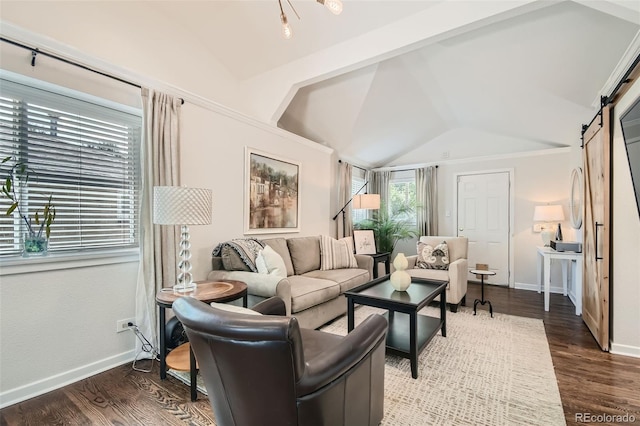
(458,268)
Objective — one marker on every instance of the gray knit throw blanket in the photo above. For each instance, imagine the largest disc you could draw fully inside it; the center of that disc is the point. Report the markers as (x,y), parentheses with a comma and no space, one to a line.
(247,249)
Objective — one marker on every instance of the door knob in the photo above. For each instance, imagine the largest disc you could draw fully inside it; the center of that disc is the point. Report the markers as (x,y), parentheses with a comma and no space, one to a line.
(460,229)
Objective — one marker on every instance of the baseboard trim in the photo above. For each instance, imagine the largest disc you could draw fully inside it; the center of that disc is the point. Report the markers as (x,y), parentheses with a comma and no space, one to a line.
(626,350)
(534,287)
(30,390)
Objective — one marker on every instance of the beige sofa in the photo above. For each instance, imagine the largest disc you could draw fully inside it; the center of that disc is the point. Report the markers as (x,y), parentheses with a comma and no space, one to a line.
(456,275)
(312,295)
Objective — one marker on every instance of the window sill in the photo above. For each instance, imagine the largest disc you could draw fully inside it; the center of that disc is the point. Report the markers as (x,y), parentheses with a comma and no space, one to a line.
(51,262)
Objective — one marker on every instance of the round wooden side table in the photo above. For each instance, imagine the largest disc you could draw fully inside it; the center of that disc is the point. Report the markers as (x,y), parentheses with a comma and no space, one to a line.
(207,292)
(482,274)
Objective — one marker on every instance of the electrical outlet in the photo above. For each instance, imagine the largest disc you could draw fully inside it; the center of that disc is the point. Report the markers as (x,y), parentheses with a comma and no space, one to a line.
(123,325)
(537,227)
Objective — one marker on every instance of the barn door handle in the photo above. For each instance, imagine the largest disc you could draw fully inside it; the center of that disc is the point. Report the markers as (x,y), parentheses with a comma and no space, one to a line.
(596,250)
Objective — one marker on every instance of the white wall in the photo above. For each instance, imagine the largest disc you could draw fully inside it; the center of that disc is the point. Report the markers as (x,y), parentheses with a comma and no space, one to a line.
(57,327)
(625,276)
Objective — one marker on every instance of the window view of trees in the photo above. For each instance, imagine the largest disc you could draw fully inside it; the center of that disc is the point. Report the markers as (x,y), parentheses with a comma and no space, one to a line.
(402,200)
(395,220)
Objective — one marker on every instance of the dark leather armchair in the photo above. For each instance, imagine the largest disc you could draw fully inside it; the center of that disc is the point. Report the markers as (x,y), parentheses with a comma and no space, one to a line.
(266,370)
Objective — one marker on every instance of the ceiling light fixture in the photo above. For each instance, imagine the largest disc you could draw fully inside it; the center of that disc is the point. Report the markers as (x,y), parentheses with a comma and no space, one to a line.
(335,6)
(286,28)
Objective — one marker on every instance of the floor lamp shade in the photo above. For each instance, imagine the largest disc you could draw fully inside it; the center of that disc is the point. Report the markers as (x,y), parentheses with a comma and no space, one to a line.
(178,205)
(366,202)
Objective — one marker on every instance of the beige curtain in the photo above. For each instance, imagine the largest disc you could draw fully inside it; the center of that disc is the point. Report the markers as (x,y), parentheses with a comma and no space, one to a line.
(344,223)
(379,184)
(158,245)
(427,200)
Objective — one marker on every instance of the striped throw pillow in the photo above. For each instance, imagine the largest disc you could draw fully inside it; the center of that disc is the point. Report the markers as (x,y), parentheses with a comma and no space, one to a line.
(336,254)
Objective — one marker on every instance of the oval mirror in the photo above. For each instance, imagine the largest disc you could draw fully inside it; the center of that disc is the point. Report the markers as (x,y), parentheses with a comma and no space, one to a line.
(575,199)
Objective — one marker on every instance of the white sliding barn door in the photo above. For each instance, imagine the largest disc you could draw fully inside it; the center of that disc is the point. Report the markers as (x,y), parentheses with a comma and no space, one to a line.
(483,217)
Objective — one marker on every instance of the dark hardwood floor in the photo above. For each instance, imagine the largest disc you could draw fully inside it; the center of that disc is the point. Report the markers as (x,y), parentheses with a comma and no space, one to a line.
(590,381)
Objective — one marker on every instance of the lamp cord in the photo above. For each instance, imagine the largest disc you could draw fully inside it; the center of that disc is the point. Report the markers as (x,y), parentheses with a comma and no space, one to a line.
(146,347)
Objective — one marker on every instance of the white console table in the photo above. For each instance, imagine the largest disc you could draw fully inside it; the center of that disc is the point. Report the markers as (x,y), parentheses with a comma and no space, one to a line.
(545,254)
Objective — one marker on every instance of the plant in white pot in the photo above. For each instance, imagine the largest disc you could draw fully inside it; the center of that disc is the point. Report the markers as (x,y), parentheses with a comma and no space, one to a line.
(38,223)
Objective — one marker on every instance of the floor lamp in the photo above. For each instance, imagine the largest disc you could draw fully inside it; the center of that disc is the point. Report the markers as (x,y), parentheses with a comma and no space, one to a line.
(179,205)
(360,202)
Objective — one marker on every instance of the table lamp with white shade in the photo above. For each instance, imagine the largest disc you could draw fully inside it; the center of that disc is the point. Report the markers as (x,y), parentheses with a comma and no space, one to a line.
(179,205)
(549,213)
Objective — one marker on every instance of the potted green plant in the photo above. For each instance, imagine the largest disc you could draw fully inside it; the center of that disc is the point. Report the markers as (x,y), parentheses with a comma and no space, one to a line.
(38,225)
(389,227)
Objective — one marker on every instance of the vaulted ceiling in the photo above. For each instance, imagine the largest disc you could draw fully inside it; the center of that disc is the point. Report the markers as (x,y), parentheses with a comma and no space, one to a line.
(525,83)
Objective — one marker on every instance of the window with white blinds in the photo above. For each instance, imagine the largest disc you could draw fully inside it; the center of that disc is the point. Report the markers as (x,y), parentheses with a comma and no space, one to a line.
(82,151)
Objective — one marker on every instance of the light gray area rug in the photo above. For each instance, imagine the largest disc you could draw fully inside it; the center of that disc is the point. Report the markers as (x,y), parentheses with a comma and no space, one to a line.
(487,371)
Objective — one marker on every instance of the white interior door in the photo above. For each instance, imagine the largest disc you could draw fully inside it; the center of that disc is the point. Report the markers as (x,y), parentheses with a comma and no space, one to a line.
(483,217)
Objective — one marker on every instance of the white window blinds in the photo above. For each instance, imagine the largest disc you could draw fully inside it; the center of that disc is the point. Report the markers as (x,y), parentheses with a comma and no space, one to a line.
(84,153)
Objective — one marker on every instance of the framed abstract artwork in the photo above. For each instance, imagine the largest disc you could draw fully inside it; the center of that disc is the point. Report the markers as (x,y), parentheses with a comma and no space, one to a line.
(364,241)
(272,193)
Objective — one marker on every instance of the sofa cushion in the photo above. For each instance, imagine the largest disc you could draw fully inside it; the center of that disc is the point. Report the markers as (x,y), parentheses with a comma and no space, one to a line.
(305,254)
(270,262)
(336,254)
(307,292)
(280,246)
(346,278)
(429,274)
(430,257)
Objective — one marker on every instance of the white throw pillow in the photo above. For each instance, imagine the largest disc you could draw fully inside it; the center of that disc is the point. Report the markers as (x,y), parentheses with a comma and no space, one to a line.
(261,264)
(336,254)
(268,261)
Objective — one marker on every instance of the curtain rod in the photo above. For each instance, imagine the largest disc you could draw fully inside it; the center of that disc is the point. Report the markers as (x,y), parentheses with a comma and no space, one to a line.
(410,170)
(35,51)
(402,170)
(357,167)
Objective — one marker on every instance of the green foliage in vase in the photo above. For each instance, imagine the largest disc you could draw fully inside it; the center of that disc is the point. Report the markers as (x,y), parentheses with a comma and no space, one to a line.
(389,227)
(16,179)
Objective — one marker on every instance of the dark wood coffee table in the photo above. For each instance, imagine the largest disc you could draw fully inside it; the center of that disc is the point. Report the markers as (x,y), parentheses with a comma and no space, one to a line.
(207,292)
(409,332)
